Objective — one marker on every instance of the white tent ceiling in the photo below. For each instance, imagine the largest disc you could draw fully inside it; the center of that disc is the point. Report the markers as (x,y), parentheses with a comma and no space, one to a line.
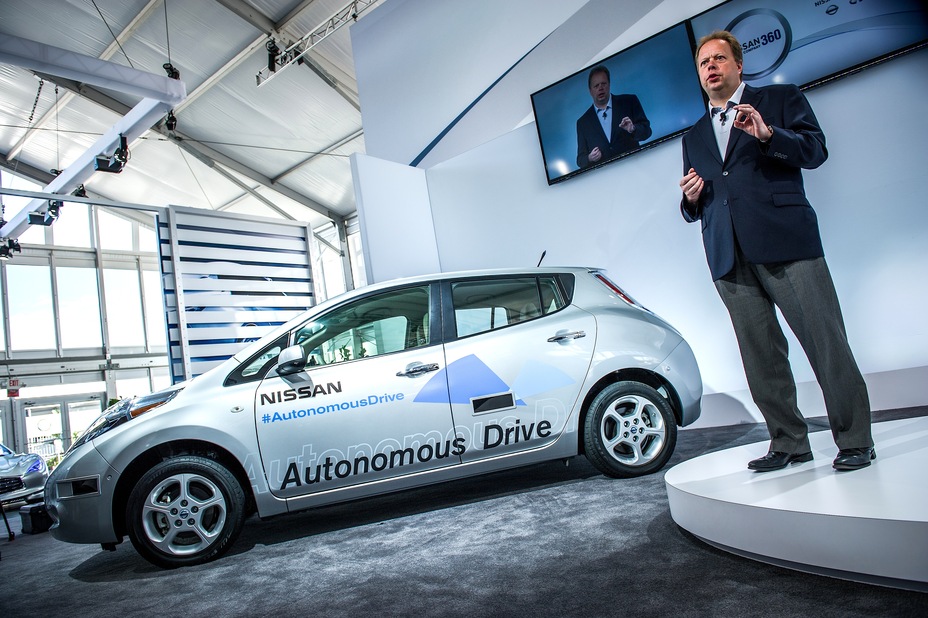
(278,150)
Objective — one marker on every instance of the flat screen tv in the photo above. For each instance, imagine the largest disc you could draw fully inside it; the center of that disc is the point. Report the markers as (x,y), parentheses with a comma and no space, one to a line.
(658,71)
(802,42)
(809,42)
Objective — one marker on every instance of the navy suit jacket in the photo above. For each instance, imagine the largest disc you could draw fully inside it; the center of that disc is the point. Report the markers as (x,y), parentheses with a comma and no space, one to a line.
(590,132)
(756,195)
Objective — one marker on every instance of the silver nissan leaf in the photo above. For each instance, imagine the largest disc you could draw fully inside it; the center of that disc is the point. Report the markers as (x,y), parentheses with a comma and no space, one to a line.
(385,388)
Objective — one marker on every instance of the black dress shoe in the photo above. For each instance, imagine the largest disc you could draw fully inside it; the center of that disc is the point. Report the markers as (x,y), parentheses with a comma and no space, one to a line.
(854,458)
(777,460)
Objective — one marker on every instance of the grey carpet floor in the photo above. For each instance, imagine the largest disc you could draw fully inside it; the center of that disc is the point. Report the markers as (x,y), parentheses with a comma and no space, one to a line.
(543,540)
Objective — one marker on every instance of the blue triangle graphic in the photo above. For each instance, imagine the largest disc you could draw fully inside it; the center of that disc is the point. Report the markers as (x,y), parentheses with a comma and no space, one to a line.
(435,390)
(536,377)
(470,377)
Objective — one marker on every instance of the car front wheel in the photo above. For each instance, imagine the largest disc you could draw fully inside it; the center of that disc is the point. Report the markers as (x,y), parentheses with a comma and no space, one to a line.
(629,430)
(186,510)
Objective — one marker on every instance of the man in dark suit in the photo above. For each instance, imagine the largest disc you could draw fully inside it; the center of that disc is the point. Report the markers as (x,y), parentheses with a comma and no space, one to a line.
(743,165)
(613,125)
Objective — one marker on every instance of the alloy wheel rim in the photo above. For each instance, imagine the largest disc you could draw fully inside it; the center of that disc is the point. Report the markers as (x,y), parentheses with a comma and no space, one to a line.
(632,430)
(184,514)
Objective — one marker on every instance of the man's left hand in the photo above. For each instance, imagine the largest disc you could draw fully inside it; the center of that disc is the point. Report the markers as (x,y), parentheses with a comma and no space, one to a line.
(627,124)
(751,122)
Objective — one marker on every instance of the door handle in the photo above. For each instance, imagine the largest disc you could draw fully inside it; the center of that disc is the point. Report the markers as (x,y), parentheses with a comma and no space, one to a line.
(564,336)
(415,369)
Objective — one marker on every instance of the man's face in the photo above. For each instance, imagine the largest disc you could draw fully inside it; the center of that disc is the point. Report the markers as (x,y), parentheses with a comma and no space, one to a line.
(719,74)
(599,89)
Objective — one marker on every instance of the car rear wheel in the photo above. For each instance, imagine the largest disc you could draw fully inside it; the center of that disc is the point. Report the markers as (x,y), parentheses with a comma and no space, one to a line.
(629,430)
(186,510)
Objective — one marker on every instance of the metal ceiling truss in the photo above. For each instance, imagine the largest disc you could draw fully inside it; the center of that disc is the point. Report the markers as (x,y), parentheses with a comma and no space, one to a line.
(257,19)
(213,158)
(39,176)
(274,31)
(294,54)
(327,150)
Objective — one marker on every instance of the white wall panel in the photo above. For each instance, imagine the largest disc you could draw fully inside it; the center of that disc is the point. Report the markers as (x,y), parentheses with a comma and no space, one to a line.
(228,280)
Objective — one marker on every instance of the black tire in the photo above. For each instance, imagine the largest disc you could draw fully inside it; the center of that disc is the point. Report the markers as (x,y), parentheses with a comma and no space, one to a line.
(629,430)
(186,510)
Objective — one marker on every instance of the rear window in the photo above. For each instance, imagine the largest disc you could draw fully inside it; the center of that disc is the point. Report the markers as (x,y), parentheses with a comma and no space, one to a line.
(485,305)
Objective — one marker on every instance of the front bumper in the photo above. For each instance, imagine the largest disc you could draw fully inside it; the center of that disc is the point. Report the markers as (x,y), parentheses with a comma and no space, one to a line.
(79,498)
(26,487)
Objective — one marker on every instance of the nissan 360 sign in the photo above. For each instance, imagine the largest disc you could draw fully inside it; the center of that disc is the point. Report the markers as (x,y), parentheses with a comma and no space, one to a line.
(804,42)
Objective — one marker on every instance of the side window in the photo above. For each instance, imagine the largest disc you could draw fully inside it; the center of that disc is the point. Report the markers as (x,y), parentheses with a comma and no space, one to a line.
(261,361)
(552,299)
(380,324)
(481,306)
(256,367)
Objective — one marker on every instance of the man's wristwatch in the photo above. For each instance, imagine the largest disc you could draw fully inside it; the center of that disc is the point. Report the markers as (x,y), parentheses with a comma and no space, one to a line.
(767,141)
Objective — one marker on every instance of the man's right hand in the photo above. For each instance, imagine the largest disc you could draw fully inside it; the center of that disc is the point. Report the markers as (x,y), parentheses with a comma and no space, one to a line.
(595,155)
(692,185)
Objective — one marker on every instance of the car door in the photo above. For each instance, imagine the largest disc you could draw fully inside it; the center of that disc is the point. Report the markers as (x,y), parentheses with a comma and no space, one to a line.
(351,416)
(517,355)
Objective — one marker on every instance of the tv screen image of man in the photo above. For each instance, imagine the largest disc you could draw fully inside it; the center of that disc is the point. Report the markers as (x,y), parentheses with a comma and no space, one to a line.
(742,165)
(613,125)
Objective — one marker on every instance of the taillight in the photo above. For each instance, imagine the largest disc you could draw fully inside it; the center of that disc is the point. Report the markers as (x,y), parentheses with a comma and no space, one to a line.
(618,291)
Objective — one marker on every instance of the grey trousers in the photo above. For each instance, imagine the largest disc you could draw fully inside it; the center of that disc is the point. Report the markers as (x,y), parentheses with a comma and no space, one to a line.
(805,294)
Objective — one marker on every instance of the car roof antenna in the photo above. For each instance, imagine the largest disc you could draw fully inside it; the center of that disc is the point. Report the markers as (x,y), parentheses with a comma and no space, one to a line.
(541,258)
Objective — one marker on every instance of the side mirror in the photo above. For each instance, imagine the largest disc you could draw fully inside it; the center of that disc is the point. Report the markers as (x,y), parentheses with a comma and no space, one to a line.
(291,360)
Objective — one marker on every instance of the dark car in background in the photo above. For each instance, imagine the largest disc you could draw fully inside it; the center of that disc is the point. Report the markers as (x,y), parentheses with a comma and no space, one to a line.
(22,476)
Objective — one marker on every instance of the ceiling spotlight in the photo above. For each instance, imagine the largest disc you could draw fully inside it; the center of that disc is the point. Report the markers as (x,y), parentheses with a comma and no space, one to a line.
(80,191)
(272,52)
(48,217)
(115,163)
(121,154)
(8,248)
(171,121)
(172,72)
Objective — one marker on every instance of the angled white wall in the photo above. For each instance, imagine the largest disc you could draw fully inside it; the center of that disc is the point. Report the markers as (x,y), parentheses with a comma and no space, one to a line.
(395,218)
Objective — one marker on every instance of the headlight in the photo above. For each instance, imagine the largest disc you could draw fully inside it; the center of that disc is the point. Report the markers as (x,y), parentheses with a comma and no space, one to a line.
(124,411)
(37,466)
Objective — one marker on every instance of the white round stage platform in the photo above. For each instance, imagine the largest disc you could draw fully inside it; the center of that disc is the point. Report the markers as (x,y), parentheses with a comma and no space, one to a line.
(869,525)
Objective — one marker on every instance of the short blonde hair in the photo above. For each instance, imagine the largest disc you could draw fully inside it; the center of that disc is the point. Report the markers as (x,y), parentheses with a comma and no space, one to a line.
(722,35)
